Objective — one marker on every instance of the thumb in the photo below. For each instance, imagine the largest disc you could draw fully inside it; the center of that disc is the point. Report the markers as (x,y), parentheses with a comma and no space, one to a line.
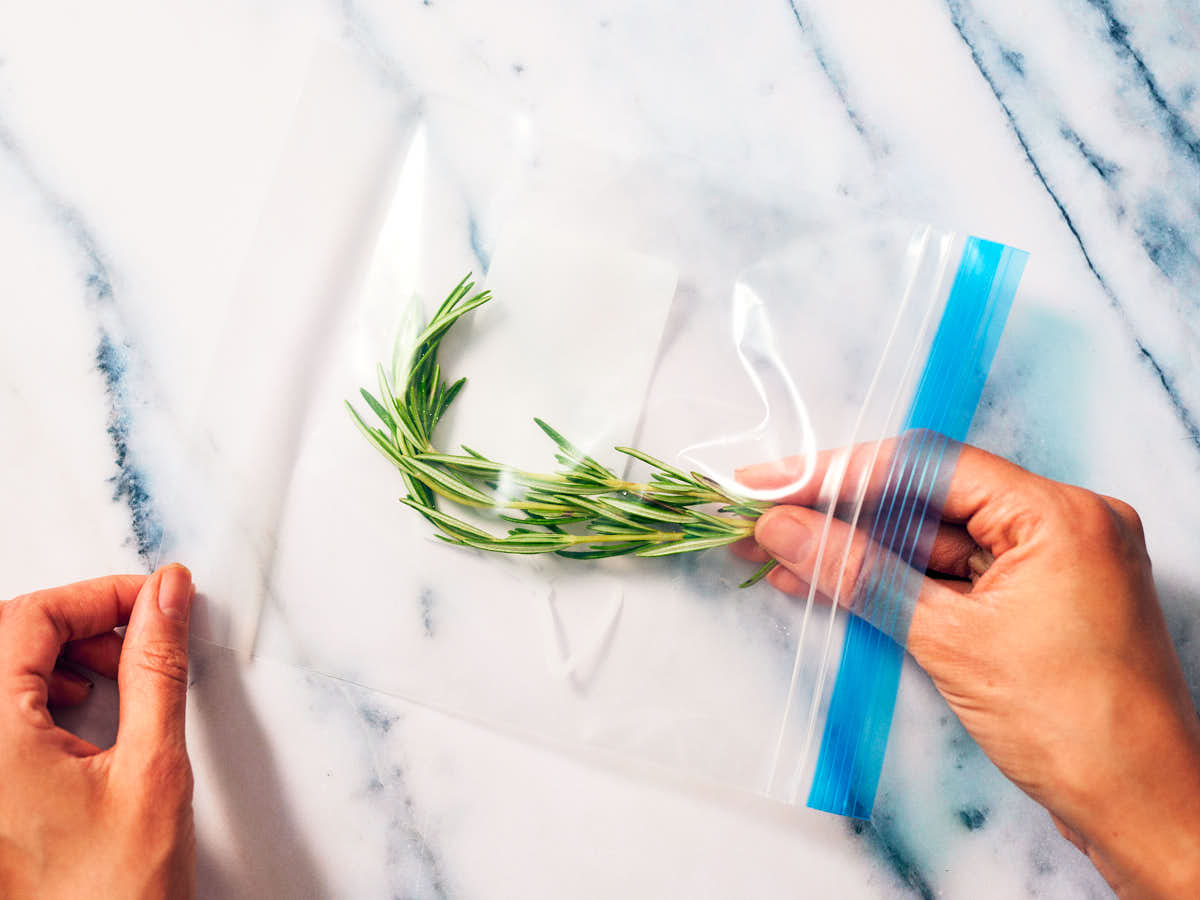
(838,560)
(153,673)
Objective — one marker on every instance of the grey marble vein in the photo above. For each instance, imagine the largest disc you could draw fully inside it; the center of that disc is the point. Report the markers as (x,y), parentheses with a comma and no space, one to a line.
(886,842)
(1106,169)
(982,43)
(373,51)
(837,81)
(1118,33)
(478,249)
(114,351)
(414,867)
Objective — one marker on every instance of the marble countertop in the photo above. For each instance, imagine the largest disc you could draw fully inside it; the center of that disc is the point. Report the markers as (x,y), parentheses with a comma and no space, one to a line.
(137,145)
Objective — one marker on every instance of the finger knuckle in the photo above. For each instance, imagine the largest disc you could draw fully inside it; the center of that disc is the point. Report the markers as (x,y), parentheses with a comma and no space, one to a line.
(31,611)
(17,606)
(1113,527)
(1128,514)
(1121,508)
(164,660)
(29,696)
(1089,516)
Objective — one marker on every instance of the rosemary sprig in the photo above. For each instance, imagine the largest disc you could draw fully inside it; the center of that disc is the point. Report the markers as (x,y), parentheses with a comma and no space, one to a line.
(583,511)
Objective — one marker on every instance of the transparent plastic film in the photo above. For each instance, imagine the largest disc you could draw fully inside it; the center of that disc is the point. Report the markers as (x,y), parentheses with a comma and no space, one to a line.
(544,547)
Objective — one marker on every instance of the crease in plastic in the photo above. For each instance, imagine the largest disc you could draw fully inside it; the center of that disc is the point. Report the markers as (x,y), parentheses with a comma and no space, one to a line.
(760,357)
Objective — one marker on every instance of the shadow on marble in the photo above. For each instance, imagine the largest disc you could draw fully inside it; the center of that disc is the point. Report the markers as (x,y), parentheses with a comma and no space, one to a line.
(265,853)
(1179,600)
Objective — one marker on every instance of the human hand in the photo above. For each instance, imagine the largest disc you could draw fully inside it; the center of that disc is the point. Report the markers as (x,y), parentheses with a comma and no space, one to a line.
(76,821)
(1039,623)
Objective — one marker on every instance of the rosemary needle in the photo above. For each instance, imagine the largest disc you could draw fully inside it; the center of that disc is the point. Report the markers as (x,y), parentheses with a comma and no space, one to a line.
(582,511)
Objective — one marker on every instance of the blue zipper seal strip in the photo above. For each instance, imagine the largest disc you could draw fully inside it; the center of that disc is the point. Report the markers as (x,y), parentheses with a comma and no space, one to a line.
(864,695)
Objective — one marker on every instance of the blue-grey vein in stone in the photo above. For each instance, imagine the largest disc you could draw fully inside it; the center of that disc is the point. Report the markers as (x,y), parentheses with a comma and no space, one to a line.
(130,483)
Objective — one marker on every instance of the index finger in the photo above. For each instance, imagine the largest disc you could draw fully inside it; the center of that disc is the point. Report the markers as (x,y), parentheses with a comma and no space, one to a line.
(34,627)
(978,475)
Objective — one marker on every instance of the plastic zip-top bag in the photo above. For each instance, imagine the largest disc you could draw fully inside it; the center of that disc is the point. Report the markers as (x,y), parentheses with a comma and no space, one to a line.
(535,576)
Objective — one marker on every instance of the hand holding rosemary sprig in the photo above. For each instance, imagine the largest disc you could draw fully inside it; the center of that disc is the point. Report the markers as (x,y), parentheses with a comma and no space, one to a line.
(584,511)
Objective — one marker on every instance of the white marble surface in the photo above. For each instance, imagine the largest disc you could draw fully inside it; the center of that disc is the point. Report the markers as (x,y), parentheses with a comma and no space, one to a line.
(137,145)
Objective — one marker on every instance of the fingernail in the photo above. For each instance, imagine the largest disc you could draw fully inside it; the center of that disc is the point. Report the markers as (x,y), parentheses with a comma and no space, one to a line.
(978,563)
(72,675)
(775,473)
(785,538)
(175,592)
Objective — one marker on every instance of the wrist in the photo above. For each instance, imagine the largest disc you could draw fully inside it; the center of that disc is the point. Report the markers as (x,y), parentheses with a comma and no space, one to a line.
(1142,827)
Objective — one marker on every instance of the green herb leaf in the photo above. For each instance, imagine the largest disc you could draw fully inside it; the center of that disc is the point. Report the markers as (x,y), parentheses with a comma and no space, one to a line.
(687,546)
(762,572)
(583,511)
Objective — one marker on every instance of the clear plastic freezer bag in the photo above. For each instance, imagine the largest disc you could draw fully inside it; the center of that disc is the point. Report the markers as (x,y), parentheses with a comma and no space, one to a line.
(632,306)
